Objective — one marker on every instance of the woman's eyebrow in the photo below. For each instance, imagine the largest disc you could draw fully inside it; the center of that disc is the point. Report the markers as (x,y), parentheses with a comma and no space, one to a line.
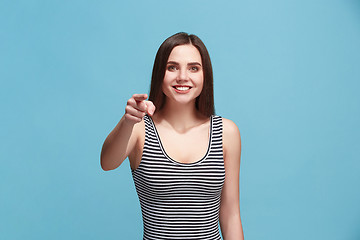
(172,62)
(189,64)
(194,63)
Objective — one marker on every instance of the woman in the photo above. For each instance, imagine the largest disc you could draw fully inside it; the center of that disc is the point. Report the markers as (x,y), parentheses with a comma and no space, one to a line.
(185,160)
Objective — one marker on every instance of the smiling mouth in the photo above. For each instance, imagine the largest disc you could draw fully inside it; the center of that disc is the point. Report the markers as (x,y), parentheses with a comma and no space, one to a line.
(182,88)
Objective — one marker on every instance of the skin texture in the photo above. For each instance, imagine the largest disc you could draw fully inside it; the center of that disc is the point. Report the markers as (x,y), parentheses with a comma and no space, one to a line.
(180,124)
(184,68)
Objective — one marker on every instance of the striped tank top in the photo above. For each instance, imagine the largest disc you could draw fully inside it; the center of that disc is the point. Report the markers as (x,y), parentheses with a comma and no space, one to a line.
(180,200)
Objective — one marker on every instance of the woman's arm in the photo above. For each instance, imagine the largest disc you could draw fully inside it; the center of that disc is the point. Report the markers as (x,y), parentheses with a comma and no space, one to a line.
(230,221)
(122,139)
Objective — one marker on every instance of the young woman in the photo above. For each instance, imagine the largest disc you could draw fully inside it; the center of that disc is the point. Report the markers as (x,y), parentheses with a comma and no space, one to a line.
(185,160)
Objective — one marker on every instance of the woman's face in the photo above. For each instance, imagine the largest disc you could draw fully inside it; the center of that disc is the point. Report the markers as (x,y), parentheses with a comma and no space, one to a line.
(184,77)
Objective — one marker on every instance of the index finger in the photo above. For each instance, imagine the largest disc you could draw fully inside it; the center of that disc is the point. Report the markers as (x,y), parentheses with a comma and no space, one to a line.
(140,97)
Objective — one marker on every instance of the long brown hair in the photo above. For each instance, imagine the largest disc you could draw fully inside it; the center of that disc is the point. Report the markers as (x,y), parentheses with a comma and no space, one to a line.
(205,101)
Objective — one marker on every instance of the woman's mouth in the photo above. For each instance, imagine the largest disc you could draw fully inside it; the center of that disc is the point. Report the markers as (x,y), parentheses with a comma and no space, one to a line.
(182,89)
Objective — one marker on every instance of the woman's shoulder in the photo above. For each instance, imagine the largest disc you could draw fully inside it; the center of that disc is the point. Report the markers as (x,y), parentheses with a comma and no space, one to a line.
(231,138)
(228,125)
(230,130)
(139,129)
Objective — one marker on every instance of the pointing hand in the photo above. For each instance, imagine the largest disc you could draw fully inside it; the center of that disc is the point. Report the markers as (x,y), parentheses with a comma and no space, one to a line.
(136,108)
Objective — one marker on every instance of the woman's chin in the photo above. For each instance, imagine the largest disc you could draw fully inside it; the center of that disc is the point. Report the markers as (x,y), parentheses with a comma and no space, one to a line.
(182,100)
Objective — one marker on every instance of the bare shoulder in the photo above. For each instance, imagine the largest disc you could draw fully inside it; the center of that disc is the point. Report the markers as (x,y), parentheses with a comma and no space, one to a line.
(231,137)
(139,128)
(230,129)
(138,135)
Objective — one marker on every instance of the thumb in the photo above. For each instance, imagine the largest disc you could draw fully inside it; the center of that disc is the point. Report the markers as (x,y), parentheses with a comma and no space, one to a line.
(150,107)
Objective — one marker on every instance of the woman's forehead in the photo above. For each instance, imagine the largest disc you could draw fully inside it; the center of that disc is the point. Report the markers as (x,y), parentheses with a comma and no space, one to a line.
(185,53)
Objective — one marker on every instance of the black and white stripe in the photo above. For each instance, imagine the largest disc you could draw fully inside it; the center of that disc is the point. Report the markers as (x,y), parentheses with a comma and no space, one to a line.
(178,200)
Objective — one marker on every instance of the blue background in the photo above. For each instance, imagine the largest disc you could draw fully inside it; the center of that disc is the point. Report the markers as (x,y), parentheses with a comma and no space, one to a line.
(286,72)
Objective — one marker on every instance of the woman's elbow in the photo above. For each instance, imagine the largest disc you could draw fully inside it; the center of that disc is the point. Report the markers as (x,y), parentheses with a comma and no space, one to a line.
(106,163)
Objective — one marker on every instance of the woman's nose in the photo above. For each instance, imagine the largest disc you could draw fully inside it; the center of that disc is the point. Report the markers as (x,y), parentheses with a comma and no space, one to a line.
(183,75)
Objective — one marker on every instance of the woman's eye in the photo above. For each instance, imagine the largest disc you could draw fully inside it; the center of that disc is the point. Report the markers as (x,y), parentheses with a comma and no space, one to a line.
(171,68)
(194,69)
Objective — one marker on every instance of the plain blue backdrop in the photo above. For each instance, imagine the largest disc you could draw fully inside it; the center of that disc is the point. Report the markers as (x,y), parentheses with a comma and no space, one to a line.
(286,72)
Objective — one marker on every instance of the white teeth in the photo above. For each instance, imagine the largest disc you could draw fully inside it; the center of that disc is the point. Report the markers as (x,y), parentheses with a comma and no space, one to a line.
(182,88)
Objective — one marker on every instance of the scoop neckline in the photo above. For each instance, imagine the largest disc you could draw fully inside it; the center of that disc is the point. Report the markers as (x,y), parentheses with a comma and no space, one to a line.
(175,161)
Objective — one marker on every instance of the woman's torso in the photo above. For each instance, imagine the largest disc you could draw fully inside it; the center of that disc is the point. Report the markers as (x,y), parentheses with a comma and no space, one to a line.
(180,199)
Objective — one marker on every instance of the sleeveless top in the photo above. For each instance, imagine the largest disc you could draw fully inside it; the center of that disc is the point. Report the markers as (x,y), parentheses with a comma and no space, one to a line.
(180,200)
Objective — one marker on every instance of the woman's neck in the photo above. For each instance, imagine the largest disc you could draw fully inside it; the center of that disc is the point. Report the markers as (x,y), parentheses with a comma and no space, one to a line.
(180,117)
